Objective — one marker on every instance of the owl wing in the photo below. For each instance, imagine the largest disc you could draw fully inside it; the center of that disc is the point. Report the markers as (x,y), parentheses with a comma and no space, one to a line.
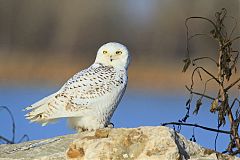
(91,83)
(76,95)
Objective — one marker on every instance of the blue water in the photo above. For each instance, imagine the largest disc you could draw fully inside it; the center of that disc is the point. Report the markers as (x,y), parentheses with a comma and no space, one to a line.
(137,108)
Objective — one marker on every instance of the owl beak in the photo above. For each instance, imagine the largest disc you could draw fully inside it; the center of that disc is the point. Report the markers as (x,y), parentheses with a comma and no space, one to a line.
(111,58)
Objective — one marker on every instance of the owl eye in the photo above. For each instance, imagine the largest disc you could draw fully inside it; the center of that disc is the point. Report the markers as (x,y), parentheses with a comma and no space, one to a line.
(118,52)
(104,52)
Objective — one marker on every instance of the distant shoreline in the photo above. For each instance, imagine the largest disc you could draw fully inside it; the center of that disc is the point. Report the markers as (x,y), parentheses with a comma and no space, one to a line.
(54,70)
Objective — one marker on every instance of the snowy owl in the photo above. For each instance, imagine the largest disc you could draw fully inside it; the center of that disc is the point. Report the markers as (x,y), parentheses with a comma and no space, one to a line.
(90,97)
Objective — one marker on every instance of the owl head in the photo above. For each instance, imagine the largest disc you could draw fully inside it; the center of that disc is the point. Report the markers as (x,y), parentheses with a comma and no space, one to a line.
(113,54)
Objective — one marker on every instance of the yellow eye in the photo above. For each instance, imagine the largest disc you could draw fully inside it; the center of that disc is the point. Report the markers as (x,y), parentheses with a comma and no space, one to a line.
(104,52)
(118,52)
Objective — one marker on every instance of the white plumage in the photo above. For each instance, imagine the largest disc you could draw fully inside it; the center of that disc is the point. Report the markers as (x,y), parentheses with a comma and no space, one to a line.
(90,97)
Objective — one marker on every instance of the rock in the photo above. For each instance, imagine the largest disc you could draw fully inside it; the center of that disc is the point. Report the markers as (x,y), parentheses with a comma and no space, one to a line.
(48,149)
(143,143)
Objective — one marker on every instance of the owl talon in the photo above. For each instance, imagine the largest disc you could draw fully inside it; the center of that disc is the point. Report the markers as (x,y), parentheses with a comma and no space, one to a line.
(80,129)
(110,125)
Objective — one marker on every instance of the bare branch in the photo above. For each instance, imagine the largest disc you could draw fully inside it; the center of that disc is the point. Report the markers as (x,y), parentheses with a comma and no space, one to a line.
(214,25)
(205,86)
(206,73)
(231,85)
(198,126)
(234,27)
(215,140)
(200,58)
(200,94)
(3,139)
(24,137)
(6,140)
(186,21)
(235,152)
(199,34)
(226,64)
(13,122)
(230,41)
(234,101)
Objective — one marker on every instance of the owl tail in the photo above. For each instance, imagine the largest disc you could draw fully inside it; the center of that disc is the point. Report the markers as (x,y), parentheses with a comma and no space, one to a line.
(41,110)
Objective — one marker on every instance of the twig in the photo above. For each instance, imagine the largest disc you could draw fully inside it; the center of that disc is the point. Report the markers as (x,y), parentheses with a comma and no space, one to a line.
(214,25)
(24,137)
(200,94)
(231,85)
(226,63)
(6,140)
(196,59)
(229,42)
(13,122)
(3,139)
(235,152)
(198,126)
(205,86)
(199,34)
(208,74)
(215,140)
(234,27)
